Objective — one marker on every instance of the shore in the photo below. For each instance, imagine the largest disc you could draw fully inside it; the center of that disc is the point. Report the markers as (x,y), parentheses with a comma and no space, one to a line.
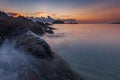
(23,35)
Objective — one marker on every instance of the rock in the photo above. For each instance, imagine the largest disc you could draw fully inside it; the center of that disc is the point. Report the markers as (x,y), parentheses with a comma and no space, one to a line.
(49,65)
(36,60)
(47,28)
(16,65)
(48,24)
(3,14)
(30,43)
(11,28)
(49,31)
(37,27)
(1,40)
(58,22)
(115,23)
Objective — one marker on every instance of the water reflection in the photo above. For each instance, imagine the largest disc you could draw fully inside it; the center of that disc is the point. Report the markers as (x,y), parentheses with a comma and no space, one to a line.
(92,50)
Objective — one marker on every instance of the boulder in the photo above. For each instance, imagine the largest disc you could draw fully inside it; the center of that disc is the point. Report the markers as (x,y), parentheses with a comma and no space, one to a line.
(47,28)
(30,43)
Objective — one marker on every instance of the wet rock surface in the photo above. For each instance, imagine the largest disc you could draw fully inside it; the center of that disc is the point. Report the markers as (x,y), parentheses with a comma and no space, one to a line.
(1,40)
(25,56)
(32,44)
(16,65)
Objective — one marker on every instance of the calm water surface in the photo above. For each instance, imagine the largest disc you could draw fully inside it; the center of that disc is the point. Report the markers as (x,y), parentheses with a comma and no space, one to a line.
(93,50)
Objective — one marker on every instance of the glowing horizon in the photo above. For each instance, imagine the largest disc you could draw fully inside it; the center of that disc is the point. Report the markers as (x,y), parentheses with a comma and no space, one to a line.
(84,11)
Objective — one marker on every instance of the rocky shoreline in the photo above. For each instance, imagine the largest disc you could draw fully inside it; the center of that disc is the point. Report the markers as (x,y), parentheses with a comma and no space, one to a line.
(24,35)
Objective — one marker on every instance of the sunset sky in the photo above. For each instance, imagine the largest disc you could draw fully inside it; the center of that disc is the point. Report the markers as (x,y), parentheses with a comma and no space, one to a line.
(86,11)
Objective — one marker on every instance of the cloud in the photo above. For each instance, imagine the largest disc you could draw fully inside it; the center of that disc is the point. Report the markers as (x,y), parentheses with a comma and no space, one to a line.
(100,12)
(16,14)
(53,15)
(38,14)
(45,14)
(66,16)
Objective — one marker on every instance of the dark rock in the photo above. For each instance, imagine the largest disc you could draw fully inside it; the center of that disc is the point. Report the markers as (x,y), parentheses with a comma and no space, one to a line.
(3,14)
(48,24)
(36,28)
(116,23)
(30,43)
(33,26)
(49,31)
(47,28)
(40,23)
(58,22)
(8,28)
(22,22)
(1,40)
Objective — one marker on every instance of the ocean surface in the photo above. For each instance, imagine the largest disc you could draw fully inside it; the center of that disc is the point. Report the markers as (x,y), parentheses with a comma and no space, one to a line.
(92,50)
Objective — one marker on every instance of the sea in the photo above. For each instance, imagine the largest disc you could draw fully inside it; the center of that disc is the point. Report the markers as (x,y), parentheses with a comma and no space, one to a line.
(92,50)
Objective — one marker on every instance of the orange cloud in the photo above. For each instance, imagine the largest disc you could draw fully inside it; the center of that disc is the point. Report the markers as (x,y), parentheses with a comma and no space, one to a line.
(45,14)
(16,14)
(38,13)
(101,12)
(66,16)
(103,16)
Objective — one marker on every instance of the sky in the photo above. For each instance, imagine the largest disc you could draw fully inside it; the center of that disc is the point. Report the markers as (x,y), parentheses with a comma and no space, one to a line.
(85,11)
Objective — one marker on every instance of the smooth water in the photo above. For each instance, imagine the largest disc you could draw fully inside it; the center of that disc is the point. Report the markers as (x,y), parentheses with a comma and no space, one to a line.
(93,50)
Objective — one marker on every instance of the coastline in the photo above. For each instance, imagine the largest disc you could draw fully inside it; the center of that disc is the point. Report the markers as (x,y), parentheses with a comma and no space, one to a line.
(23,34)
